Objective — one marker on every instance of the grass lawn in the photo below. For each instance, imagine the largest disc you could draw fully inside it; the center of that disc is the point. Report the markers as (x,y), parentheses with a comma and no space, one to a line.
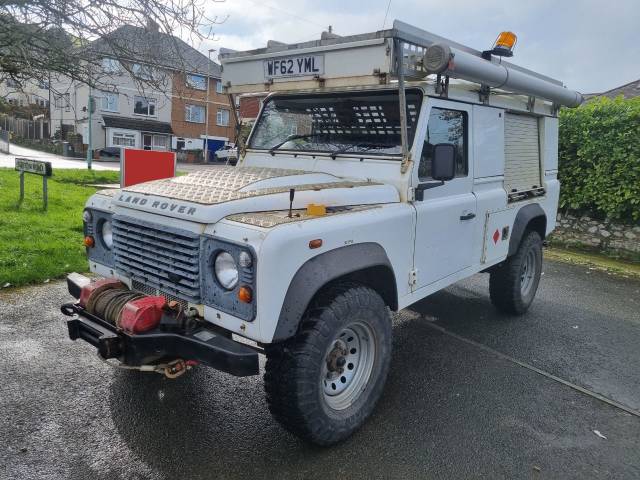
(36,245)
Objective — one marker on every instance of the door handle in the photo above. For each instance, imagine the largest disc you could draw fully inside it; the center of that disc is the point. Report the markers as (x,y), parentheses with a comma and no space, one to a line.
(468,216)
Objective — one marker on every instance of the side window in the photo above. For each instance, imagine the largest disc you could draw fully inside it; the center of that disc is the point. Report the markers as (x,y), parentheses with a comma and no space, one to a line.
(445,126)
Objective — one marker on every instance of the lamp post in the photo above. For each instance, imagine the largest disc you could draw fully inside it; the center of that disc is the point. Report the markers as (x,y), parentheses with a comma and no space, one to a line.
(206,109)
(89,146)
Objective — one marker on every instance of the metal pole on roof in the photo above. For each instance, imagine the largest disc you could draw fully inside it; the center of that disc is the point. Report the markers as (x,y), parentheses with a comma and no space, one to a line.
(399,59)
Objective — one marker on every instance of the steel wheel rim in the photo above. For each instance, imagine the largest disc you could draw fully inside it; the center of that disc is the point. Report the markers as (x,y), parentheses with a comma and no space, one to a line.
(528,272)
(347,365)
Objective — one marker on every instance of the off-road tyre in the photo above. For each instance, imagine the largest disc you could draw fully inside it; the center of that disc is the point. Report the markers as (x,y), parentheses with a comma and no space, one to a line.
(507,287)
(297,370)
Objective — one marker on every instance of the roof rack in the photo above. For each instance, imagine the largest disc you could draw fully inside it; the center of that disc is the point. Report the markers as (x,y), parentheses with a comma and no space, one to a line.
(401,53)
(364,59)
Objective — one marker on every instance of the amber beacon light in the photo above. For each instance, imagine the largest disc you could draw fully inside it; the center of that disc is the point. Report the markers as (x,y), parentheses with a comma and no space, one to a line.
(503,46)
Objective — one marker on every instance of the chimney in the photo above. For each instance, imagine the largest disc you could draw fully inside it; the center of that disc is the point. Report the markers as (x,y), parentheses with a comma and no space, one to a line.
(152,26)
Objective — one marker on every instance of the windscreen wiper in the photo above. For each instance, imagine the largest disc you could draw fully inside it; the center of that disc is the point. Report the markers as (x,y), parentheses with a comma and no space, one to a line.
(368,146)
(293,137)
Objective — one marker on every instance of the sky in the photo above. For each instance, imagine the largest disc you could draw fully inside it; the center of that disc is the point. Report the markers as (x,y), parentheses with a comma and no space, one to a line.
(590,45)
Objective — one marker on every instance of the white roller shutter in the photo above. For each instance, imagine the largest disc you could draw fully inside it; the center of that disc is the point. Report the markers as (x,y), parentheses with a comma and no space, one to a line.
(521,153)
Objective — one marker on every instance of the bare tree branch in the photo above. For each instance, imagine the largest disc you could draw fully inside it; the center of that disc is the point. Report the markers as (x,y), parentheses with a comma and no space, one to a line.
(69,38)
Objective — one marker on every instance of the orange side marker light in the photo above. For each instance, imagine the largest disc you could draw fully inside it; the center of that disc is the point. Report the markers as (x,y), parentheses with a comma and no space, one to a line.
(245,294)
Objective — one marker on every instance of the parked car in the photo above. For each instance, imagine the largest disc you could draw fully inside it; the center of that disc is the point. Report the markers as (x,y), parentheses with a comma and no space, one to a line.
(109,152)
(228,154)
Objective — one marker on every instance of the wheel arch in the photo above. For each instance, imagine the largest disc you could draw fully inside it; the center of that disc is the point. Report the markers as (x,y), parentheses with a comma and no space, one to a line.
(365,263)
(529,217)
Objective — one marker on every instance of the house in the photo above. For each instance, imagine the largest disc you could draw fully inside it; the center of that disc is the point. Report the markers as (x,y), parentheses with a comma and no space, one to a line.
(249,105)
(628,90)
(189,112)
(156,97)
(25,94)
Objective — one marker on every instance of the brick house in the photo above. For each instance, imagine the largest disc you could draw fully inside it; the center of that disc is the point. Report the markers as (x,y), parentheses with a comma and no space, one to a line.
(154,99)
(249,105)
(189,112)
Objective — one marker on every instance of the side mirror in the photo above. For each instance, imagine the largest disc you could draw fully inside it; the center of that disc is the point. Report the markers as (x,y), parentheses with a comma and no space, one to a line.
(443,164)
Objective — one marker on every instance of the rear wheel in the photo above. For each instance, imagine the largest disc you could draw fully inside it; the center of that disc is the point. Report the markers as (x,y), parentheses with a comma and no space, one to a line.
(513,284)
(323,383)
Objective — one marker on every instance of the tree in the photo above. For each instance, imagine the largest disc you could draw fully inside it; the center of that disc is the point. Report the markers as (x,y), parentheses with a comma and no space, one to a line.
(70,38)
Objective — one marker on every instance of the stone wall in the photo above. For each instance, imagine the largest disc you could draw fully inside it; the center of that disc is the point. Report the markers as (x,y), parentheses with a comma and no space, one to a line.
(605,236)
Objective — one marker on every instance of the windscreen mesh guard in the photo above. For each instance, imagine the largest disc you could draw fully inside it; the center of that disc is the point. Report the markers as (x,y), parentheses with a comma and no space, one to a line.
(361,121)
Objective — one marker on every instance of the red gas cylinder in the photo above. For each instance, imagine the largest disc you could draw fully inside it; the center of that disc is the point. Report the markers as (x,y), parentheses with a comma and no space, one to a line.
(142,315)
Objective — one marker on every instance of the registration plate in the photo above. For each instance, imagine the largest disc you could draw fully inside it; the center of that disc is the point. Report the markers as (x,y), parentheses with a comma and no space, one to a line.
(294,66)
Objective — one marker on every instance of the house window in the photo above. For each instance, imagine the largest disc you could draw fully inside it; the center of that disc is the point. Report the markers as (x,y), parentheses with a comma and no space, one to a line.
(222,118)
(123,139)
(11,83)
(61,101)
(160,142)
(144,106)
(143,72)
(110,65)
(197,81)
(219,86)
(109,102)
(194,113)
(445,126)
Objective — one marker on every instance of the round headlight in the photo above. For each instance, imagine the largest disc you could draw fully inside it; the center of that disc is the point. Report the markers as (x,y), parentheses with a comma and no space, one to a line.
(106,233)
(244,259)
(226,270)
(87,216)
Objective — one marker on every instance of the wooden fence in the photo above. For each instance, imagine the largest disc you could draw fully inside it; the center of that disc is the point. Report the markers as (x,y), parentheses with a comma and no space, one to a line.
(4,141)
(21,127)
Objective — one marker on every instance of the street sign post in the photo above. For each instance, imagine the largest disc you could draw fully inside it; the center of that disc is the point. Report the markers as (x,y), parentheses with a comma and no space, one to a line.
(35,167)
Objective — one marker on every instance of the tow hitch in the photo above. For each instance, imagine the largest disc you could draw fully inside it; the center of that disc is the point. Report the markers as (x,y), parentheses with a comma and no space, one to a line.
(147,334)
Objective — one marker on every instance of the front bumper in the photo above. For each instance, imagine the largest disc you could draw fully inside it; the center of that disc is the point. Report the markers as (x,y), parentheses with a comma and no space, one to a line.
(201,344)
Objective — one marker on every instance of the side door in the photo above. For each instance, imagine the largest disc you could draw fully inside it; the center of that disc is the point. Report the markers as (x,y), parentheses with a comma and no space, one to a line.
(446,217)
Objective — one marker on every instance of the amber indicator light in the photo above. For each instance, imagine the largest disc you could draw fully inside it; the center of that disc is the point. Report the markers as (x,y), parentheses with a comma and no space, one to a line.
(245,294)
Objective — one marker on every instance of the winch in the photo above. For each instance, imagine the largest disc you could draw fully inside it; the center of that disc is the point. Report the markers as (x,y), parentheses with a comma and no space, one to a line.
(128,310)
(148,333)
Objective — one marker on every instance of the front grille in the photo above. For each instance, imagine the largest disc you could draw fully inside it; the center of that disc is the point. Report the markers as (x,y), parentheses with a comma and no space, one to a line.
(147,290)
(163,258)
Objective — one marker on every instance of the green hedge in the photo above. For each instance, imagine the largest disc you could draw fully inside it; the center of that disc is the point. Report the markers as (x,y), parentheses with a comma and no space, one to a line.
(41,145)
(599,158)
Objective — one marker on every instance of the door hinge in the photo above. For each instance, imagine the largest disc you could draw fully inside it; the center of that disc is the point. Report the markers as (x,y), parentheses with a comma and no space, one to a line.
(413,277)
(411,194)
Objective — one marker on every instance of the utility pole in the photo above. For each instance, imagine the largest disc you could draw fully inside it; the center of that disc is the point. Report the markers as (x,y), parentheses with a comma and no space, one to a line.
(89,149)
(206,109)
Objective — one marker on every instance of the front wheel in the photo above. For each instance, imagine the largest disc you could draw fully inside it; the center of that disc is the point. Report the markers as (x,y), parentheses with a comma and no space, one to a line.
(323,383)
(514,283)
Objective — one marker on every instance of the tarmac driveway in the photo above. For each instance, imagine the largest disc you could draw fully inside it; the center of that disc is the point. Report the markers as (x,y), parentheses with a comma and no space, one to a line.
(471,394)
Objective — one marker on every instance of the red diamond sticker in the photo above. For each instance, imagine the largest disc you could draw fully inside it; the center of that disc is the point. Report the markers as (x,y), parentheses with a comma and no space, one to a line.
(496,236)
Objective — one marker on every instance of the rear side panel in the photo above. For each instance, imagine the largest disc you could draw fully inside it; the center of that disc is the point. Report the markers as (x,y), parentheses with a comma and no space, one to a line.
(497,231)
(522,153)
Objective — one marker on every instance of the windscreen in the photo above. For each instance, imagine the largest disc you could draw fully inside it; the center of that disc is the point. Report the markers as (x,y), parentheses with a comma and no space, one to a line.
(349,123)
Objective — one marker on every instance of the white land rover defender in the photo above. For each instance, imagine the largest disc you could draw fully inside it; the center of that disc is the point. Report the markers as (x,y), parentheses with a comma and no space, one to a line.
(383,167)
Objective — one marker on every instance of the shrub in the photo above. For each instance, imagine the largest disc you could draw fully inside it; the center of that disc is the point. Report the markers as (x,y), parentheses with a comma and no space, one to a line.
(599,158)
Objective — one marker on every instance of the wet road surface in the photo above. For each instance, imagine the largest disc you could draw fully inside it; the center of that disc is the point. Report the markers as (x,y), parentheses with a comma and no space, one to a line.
(450,409)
